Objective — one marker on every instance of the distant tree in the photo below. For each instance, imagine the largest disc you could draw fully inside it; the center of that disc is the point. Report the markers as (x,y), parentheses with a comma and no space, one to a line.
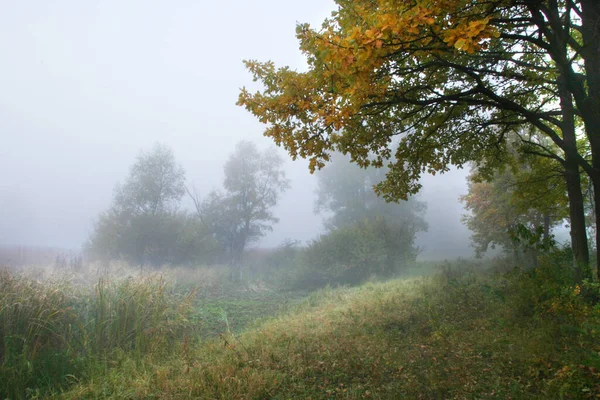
(529,195)
(143,225)
(155,184)
(367,235)
(243,212)
(347,191)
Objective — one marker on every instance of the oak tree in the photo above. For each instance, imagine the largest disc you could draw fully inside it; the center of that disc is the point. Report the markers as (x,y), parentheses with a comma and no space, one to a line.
(449,80)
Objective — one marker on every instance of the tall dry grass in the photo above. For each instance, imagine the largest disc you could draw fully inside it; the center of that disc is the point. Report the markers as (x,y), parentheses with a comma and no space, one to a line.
(57,327)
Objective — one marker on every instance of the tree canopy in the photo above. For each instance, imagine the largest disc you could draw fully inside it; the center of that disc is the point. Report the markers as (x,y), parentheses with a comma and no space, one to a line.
(449,81)
(155,183)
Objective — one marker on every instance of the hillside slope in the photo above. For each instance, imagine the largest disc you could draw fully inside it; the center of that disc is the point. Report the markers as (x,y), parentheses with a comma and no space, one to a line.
(456,335)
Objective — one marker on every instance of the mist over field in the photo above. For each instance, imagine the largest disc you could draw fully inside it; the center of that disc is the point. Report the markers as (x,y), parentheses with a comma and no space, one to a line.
(87,88)
(156,243)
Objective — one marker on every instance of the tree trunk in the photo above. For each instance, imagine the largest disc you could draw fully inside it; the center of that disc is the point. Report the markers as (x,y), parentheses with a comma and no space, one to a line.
(583,90)
(596,189)
(590,107)
(546,226)
(579,242)
(235,263)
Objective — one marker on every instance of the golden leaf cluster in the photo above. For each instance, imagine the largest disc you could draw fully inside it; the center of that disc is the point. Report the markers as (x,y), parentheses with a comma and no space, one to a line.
(351,63)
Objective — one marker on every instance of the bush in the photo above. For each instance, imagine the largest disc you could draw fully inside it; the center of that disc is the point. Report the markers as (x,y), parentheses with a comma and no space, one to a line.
(281,265)
(175,238)
(353,254)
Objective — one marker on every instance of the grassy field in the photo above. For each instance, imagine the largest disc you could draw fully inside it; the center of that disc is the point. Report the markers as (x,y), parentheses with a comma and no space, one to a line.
(232,314)
(457,334)
(58,327)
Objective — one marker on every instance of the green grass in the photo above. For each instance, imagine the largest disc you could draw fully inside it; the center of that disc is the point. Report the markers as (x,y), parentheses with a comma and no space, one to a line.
(454,335)
(234,316)
(59,327)
(457,334)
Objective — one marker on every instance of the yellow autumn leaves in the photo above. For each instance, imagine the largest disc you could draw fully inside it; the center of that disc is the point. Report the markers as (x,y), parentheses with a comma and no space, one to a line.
(470,36)
(402,24)
(353,61)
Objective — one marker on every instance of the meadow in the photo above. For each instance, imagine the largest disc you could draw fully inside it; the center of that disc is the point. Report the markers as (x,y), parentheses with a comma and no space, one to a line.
(464,331)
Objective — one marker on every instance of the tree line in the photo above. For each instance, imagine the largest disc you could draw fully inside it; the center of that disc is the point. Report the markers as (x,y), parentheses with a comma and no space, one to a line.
(147,225)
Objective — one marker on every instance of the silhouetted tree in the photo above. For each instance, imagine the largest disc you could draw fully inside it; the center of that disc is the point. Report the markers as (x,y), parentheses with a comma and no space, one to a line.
(243,212)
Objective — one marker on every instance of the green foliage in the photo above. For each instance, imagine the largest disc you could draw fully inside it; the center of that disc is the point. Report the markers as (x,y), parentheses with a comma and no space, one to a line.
(354,253)
(175,238)
(533,239)
(367,235)
(347,191)
(449,90)
(143,225)
(514,209)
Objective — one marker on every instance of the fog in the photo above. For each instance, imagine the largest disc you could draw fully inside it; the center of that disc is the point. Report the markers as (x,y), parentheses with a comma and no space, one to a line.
(86,86)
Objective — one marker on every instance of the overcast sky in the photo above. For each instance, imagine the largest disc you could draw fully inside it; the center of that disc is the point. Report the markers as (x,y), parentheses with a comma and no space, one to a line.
(86,85)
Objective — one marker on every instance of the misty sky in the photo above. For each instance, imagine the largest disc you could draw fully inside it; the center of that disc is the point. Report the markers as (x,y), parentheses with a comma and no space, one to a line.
(87,85)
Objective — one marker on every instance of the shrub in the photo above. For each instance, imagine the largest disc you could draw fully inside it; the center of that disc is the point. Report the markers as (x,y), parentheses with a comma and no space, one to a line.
(278,266)
(353,254)
(175,238)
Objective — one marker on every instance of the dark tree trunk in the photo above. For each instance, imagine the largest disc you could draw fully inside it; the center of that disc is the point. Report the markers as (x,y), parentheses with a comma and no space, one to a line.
(590,106)
(546,226)
(583,90)
(579,242)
